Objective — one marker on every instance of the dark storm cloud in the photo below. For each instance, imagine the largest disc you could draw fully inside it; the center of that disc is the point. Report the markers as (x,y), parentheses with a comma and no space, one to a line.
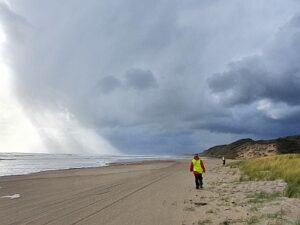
(140,79)
(149,142)
(267,85)
(242,83)
(108,84)
(274,75)
(137,79)
(136,71)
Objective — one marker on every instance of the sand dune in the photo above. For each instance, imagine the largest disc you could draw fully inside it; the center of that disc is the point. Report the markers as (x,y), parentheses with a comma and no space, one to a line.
(152,193)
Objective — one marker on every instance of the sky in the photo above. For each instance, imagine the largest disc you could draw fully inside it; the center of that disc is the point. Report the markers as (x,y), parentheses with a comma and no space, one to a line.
(146,77)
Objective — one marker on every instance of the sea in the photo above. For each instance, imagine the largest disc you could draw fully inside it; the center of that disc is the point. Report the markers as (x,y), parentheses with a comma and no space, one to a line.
(26,163)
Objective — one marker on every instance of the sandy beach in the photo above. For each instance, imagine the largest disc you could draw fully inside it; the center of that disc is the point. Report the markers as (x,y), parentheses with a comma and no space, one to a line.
(150,193)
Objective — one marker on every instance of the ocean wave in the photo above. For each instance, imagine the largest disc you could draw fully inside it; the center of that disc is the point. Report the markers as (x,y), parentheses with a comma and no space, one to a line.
(19,163)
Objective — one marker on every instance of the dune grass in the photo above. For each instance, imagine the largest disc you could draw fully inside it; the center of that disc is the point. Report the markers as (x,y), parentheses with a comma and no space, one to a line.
(262,197)
(286,167)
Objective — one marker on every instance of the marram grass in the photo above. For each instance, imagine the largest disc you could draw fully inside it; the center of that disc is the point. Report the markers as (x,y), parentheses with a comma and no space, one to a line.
(286,167)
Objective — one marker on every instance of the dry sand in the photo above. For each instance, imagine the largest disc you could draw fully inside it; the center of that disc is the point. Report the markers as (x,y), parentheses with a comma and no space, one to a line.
(152,193)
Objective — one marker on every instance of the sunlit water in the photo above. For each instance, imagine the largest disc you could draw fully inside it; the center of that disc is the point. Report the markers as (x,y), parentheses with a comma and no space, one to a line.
(23,163)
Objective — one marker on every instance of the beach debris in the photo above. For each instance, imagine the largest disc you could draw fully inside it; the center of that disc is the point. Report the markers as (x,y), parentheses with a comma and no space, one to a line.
(12,196)
(191,209)
(200,203)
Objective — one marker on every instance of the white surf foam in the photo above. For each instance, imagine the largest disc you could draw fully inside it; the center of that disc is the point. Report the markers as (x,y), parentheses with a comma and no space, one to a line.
(22,163)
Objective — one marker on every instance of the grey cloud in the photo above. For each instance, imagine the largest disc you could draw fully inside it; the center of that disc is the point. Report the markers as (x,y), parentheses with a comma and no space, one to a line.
(223,127)
(275,74)
(153,140)
(137,68)
(137,79)
(243,83)
(14,24)
(140,79)
(108,84)
(267,86)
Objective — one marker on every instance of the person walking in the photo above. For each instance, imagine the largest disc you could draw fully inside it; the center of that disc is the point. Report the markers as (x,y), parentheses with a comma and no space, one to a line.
(223,159)
(197,167)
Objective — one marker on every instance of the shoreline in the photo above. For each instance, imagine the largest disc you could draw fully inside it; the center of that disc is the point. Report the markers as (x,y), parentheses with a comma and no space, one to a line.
(27,166)
(74,169)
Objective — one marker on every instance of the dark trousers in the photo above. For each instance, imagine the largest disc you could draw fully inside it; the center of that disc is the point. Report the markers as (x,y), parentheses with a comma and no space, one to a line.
(198,180)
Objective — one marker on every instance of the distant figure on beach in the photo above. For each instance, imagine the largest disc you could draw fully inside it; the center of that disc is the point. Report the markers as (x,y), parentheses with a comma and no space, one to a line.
(223,159)
(197,167)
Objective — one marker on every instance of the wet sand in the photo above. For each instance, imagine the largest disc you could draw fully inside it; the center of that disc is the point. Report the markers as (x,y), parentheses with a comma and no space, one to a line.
(150,193)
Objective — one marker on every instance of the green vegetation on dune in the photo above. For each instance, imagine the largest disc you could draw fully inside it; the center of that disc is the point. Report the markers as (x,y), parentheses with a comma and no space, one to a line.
(248,148)
(262,197)
(230,151)
(286,167)
(297,222)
